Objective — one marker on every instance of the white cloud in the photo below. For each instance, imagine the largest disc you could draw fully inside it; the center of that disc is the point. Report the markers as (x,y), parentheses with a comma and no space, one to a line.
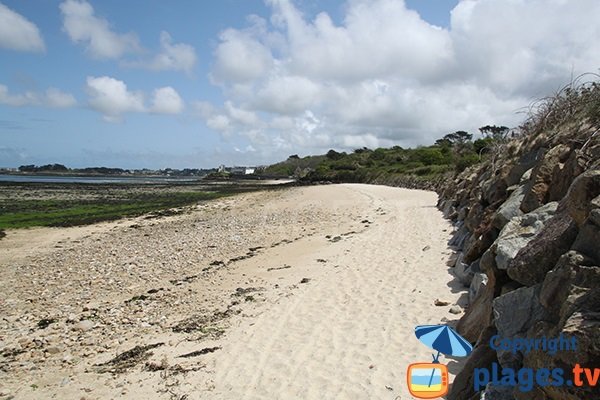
(18,33)
(174,57)
(384,76)
(219,122)
(111,97)
(166,101)
(240,57)
(59,99)
(95,33)
(177,57)
(51,98)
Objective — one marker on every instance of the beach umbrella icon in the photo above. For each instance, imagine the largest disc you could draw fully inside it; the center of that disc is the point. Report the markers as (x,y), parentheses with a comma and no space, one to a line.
(444,340)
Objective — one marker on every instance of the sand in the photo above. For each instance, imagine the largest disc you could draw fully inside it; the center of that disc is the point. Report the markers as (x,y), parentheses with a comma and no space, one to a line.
(305,293)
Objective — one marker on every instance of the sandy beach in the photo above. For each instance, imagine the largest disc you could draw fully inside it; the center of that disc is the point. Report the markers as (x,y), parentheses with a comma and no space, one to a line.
(304,293)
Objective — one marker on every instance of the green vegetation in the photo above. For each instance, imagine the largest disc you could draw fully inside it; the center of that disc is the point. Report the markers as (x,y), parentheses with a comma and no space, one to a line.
(27,213)
(452,153)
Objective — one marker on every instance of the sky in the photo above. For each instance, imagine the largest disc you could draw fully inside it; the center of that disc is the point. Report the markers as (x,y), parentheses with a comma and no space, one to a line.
(195,84)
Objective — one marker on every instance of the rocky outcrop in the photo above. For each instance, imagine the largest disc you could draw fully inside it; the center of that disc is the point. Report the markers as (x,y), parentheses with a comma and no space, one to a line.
(528,243)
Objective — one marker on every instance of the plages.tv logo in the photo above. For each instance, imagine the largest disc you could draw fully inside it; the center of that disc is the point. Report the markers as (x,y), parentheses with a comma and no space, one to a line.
(429,380)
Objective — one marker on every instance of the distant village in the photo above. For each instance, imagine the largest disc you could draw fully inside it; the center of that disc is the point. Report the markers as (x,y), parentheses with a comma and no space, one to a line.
(59,169)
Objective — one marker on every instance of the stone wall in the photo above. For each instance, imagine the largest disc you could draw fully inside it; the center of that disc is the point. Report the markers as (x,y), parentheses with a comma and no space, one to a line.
(528,241)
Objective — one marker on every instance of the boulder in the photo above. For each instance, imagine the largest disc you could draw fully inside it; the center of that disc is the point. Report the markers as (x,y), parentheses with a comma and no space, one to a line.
(482,357)
(588,239)
(448,209)
(478,243)
(494,190)
(517,311)
(492,392)
(564,174)
(571,295)
(578,200)
(474,216)
(514,314)
(459,238)
(571,268)
(526,163)
(462,271)
(510,208)
(477,284)
(532,262)
(541,177)
(479,313)
(519,231)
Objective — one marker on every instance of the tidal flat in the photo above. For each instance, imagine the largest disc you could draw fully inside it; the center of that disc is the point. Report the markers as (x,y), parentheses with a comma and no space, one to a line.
(25,205)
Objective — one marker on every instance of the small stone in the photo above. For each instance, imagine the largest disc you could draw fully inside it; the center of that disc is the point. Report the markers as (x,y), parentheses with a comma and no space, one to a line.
(84,325)
(53,350)
(455,310)
(440,303)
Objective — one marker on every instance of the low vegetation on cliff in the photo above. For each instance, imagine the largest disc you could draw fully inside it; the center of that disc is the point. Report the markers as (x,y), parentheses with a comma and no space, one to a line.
(423,166)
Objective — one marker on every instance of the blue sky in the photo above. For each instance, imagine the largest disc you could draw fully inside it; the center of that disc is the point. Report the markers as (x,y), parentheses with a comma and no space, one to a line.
(180,84)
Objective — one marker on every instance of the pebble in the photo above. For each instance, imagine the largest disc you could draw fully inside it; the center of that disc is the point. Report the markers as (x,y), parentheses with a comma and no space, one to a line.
(455,310)
(53,350)
(84,325)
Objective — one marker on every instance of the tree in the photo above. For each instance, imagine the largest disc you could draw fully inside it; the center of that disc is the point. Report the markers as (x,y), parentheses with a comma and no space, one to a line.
(459,137)
(27,168)
(496,132)
(334,155)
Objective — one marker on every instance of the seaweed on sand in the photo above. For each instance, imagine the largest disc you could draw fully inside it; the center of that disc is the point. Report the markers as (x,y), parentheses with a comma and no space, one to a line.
(128,359)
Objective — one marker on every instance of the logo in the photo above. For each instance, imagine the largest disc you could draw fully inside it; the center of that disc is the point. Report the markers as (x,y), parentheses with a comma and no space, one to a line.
(430,380)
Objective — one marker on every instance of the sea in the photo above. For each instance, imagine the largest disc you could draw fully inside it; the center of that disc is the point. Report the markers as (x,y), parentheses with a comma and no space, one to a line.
(95,179)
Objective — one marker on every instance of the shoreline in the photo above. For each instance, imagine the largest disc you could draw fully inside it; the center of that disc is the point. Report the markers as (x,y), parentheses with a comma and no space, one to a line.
(258,288)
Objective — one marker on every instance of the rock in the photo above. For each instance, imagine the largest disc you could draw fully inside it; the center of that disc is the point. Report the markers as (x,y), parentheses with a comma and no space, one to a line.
(510,208)
(477,284)
(516,311)
(588,238)
(462,271)
(563,175)
(492,392)
(523,166)
(572,268)
(571,295)
(459,238)
(455,310)
(479,314)
(482,357)
(541,177)
(495,190)
(474,216)
(440,303)
(478,243)
(452,259)
(53,350)
(84,325)
(448,209)
(578,200)
(532,262)
(519,231)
